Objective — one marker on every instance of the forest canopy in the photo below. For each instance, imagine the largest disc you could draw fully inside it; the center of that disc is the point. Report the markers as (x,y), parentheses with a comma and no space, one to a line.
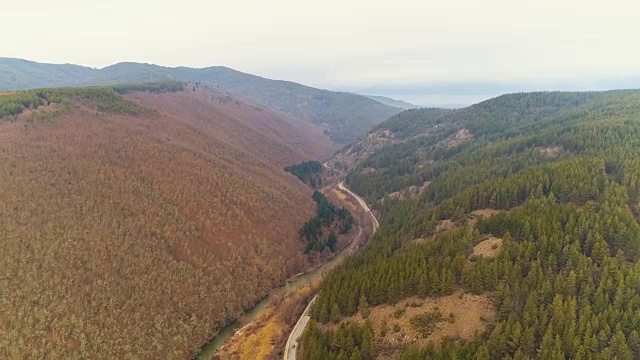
(562,173)
(308,172)
(319,232)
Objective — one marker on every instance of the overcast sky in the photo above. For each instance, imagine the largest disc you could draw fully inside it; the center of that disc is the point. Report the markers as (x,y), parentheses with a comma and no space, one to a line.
(397,48)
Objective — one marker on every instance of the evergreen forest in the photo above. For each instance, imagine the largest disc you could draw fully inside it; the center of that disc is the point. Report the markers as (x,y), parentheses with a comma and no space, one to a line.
(561,173)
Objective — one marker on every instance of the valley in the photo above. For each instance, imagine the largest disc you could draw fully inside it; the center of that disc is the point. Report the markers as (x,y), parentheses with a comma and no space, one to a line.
(336,180)
(153,218)
(367,225)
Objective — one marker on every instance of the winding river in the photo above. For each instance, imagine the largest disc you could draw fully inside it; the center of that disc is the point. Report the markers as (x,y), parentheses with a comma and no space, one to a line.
(210,348)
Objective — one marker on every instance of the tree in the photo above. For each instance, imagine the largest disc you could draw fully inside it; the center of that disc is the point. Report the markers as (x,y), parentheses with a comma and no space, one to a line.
(335,313)
(384,328)
(363,307)
(619,347)
(331,241)
(634,343)
(355,355)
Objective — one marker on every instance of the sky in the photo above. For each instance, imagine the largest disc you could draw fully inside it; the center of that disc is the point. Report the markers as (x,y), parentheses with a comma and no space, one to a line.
(427,52)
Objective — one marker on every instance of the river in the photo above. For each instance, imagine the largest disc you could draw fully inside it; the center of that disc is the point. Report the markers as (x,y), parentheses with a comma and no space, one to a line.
(209,349)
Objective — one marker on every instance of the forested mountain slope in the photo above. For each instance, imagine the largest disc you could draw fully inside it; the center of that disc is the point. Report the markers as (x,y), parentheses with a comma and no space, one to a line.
(138,226)
(345,116)
(550,181)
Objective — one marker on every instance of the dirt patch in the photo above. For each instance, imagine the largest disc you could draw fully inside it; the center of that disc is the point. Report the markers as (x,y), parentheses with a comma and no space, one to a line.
(397,195)
(445,225)
(482,213)
(550,151)
(423,186)
(410,192)
(7,93)
(462,315)
(461,136)
(488,248)
(422,240)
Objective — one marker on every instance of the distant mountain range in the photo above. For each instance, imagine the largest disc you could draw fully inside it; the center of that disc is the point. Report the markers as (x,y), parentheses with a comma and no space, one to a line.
(393,102)
(344,116)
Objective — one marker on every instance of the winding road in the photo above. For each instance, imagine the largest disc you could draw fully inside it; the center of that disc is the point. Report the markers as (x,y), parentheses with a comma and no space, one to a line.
(362,204)
(297,331)
(292,342)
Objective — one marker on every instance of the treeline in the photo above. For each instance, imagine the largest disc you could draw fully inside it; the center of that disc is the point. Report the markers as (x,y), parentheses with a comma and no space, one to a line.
(347,342)
(565,171)
(309,172)
(319,232)
(107,98)
(16,103)
(157,87)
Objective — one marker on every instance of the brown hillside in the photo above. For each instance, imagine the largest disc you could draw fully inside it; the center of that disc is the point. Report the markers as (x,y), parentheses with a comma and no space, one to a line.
(138,237)
(282,139)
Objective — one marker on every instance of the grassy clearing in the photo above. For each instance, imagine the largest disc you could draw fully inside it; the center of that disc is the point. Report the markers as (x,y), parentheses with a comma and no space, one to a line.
(426,322)
(265,338)
(419,321)
(489,248)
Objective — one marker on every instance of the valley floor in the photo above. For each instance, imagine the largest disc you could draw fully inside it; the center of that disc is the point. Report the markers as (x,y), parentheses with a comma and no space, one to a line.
(266,336)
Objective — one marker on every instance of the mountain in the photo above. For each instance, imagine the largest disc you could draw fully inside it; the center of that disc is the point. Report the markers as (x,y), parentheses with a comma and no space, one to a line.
(18,74)
(345,116)
(508,229)
(137,225)
(393,102)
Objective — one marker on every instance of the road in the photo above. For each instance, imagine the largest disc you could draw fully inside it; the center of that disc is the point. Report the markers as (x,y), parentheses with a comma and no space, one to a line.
(292,342)
(362,204)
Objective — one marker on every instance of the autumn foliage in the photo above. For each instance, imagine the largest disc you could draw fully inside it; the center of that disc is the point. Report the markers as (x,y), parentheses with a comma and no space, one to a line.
(142,235)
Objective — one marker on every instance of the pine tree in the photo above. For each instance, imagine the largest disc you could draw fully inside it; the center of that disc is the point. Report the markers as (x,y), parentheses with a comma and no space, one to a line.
(482,354)
(634,343)
(355,355)
(363,307)
(367,342)
(619,347)
(335,313)
(384,328)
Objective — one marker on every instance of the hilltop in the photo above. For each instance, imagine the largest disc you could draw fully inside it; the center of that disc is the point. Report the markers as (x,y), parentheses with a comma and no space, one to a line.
(344,116)
(508,229)
(138,220)
(393,102)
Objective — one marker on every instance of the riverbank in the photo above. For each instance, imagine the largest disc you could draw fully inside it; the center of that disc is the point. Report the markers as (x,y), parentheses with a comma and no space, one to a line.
(298,330)
(293,285)
(266,336)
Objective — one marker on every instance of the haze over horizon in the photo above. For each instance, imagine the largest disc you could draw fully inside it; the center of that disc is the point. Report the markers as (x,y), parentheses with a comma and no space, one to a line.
(455,52)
